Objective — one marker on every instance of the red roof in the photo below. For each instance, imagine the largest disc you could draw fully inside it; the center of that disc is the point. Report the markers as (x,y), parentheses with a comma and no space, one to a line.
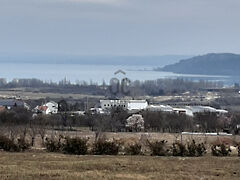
(2,108)
(42,108)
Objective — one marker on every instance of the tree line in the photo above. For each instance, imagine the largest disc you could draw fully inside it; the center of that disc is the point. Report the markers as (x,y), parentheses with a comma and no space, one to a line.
(137,88)
(115,121)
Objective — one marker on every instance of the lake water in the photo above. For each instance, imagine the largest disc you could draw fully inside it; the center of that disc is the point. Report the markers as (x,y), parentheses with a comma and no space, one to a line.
(94,73)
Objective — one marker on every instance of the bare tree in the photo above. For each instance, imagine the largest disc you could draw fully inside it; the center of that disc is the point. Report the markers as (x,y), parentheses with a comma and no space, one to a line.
(33,131)
(41,126)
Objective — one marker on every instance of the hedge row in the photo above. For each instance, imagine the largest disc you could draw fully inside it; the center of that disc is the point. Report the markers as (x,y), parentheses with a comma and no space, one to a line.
(80,146)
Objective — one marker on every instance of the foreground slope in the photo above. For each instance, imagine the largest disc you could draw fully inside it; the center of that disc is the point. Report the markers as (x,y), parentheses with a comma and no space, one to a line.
(40,165)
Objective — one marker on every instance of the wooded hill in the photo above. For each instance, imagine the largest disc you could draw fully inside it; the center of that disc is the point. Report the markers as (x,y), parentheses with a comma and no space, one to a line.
(210,64)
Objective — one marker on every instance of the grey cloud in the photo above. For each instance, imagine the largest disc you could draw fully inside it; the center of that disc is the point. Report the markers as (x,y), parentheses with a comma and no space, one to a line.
(120,26)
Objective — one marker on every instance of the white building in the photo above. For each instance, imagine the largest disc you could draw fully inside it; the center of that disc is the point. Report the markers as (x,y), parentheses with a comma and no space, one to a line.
(48,108)
(125,104)
(201,109)
(97,111)
(162,108)
(52,107)
(182,111)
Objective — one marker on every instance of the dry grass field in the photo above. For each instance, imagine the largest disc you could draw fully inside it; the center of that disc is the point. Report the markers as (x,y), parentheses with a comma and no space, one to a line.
(38,164)
(25,95)
(42,165)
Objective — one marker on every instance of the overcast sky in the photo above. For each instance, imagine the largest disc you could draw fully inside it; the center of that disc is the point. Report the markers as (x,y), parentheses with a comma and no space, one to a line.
(119,27)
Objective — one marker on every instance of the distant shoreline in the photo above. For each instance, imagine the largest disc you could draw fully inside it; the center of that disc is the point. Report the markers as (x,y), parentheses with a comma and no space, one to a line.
(96,73)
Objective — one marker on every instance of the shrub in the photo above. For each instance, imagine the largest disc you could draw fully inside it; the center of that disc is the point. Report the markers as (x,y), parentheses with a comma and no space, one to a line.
(194,149)
(134,149)
(52,145)
(158,148)
(103,147)
(201,149)
(9,145)
(179,149)
(220,150)
(75,146)
(22,144)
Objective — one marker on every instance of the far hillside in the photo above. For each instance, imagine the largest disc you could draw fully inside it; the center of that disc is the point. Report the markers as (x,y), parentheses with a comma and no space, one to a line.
(210,64)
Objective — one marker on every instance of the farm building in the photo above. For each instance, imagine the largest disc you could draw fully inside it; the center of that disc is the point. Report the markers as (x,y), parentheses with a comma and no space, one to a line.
(201,109)
(12,103)
(48,108)
(125,104)
(163,108)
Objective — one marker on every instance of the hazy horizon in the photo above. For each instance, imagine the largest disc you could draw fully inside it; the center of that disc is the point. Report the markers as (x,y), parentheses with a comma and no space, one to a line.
(154,61)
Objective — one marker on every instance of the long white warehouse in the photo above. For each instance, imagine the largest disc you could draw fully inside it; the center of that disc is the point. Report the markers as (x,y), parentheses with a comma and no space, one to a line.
(125,104)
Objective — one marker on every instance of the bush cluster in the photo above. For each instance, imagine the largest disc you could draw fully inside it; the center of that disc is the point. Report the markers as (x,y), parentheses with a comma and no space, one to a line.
(10,145)
(22,144)
(220,150)
(134,149)
(76,146)
(158,148)
(194,149)
(179,149)
(52,145)
(67,145)
(103,147)
(191,149)
(79,146)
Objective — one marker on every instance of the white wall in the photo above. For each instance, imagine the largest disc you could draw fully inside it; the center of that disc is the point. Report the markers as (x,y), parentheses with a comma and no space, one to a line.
(137,105)
(126,104)
(52,108)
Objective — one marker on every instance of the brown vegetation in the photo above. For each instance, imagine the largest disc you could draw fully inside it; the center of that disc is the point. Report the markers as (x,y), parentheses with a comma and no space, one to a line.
(59,166)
